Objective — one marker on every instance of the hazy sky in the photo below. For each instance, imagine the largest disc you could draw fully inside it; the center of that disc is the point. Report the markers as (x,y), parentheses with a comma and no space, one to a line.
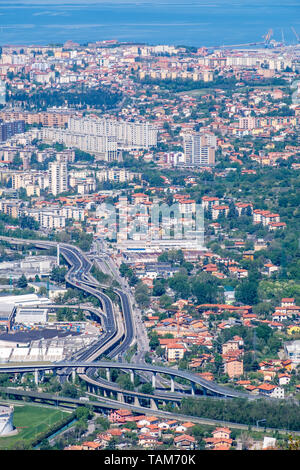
(82,2)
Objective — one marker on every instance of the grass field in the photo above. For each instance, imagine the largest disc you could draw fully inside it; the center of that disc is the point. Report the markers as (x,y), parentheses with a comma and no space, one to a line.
(30,420)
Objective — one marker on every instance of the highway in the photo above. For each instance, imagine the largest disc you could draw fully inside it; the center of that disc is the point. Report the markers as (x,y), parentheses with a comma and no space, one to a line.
(194,379)
(119,329)
(116,339)
(105,404)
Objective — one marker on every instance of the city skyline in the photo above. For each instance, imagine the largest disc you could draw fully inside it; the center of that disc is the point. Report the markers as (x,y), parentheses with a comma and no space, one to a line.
(149,221)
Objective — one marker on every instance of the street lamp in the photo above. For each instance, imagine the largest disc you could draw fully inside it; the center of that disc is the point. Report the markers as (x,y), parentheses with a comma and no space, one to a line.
(260,421)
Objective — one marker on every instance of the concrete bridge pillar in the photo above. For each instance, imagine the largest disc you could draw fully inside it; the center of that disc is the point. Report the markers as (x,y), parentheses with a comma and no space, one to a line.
(154,380)
(193,388)
(120,397)
(36,376)
(73,374)
(108,374)
(172,385)
(132,376)
(136,401)
(153,404)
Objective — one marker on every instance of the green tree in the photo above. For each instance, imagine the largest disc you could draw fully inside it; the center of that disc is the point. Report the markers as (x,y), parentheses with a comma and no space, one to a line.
(158,288)
(22,282)
(69,390)
(247,293)
(142,295)
(147,388)
(180,284)
(154,341)
(58,274)
(83,413)
(103,423)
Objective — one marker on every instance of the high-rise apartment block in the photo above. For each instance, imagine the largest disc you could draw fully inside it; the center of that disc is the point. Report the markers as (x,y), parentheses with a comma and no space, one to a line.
(103,146)
(2,92)
(10,128)
(199,149)
(104,138)
(58,177)
(138,135)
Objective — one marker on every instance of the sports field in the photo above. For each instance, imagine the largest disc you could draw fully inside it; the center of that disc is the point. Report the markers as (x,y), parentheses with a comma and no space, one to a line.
(30,420)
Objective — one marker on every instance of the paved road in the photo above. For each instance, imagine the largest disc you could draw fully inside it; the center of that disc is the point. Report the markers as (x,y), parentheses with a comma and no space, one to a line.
(207,385)
(79,276)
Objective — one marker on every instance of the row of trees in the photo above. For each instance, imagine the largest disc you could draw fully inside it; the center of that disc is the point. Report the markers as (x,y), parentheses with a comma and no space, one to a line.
(77,97)
(277,414)
(78,237)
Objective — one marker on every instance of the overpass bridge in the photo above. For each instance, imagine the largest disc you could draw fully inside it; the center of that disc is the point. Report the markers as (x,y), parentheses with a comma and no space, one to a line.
(120,333)
(105,405)
(195,381)
(116,336)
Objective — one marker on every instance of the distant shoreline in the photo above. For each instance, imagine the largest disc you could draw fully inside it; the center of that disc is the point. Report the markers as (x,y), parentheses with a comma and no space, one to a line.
(198,23)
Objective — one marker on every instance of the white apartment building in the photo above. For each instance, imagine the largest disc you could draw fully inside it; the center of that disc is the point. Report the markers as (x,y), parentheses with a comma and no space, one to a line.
(48,218)
(264,217)
(199,149)
(58,177)
(118,175)
(30,180)
(218,210)
(208,202)
(103,146)
(55,217)
(138,135)
(51,220)
(86,186)
(2,92)
(292,351)
(32,190)
(71,212)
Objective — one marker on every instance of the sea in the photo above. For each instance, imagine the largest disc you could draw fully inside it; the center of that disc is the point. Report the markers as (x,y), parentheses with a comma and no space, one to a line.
(192,23)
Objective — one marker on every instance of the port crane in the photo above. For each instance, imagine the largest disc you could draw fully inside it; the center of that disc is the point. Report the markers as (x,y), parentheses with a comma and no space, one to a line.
(266,42)
(267,37)
(296,34)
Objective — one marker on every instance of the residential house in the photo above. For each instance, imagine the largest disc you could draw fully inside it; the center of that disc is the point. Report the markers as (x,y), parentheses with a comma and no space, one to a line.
(271,390)
(185,442)
(234,368)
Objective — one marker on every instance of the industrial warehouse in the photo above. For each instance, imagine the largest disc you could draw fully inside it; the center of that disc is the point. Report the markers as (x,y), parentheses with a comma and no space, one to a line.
(30,332)
(46,344)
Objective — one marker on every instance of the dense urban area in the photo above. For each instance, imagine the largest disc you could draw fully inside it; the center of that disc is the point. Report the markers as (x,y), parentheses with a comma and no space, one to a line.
(149,224)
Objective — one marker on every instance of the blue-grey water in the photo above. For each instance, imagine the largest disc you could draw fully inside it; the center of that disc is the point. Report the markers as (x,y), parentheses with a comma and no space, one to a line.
(194,23)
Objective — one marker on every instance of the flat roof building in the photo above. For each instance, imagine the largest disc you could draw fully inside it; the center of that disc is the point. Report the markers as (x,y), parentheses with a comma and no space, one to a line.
(31,316)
